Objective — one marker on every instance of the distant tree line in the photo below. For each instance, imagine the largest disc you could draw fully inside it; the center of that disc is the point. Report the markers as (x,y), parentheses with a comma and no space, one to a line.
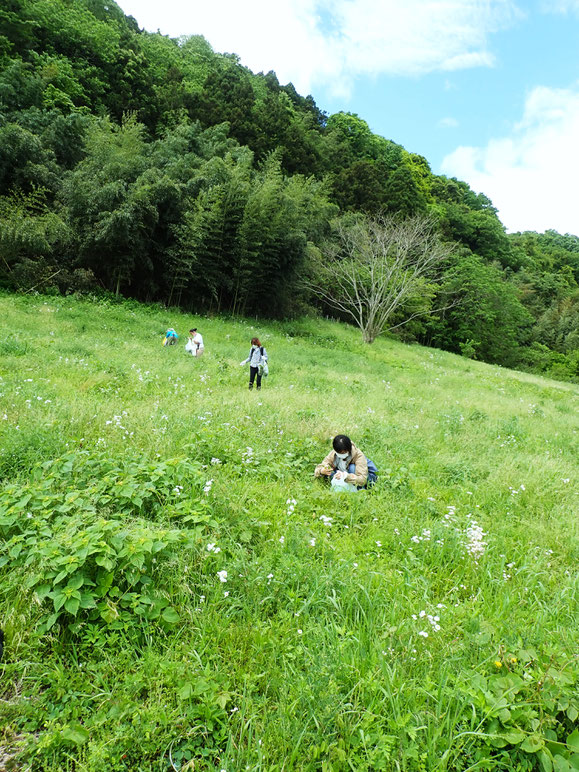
(134,163)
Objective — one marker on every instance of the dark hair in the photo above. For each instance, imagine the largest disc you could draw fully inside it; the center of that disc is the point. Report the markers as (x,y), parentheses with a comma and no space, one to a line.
(342,444)
(193,330)
(255,342)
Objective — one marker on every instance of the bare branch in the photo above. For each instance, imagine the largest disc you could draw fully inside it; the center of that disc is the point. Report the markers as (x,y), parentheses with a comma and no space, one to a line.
(377,266)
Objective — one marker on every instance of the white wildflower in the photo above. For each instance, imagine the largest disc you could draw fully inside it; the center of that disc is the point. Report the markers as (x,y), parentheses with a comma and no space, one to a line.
(475,544)
(247,456)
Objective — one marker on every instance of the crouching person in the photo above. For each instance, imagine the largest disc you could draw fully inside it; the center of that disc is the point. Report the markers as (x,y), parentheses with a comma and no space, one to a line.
(348,463)
(170,338)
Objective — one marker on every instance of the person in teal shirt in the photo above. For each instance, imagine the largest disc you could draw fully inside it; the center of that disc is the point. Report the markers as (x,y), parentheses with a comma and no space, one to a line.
(171,337)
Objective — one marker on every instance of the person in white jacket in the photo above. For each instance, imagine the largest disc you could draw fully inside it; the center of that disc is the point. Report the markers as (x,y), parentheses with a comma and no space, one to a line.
(257,361)
(195,343)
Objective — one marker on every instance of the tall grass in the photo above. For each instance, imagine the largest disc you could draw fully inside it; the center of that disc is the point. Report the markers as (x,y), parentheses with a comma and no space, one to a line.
(429,624)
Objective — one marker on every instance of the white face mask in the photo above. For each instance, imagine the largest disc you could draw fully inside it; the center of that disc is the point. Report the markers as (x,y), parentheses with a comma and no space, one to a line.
(342,455)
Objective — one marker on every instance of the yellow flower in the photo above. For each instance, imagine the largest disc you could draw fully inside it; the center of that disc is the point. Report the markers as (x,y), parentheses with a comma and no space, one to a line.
(513,660)
(498,664)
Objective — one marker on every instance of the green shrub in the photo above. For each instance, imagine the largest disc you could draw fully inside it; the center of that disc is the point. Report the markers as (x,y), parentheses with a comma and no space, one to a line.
(525,712)
(71,530)
(104,572)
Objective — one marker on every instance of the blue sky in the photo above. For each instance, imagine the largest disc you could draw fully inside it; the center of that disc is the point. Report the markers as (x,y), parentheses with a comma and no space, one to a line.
(486,90)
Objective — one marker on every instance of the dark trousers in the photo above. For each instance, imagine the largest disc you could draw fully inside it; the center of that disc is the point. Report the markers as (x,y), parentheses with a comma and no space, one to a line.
(253,371)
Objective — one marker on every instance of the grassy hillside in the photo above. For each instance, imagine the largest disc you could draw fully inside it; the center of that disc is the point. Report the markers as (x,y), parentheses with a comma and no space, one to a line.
(428,624)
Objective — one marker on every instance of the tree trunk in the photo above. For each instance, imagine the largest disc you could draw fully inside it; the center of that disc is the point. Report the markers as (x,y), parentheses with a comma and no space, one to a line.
(368,336)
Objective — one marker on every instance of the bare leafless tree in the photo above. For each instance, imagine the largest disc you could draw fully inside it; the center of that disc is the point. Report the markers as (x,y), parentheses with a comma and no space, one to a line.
(374,266)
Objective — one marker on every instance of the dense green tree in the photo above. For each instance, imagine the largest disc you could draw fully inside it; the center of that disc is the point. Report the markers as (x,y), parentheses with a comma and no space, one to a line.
(371,174)
(247,235)
(110,209)
(402,194)
(478,229)
(228,96)
(20,87)
(31,234)
(16,31)
(361,187)
(558,326)
(210,235)
(482,310)
(24,163)
(350,137)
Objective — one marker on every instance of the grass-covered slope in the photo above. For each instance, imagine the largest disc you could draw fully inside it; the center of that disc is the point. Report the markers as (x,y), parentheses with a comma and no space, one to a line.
(429,624)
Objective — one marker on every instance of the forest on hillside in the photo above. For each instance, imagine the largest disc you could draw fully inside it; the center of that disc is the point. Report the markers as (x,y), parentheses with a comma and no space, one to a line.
(162,170)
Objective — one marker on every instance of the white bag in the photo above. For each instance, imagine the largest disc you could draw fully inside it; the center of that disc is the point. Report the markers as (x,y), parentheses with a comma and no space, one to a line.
(340,485)
(190,347)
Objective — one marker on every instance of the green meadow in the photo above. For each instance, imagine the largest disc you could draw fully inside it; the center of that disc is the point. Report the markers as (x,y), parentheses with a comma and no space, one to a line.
(178,592)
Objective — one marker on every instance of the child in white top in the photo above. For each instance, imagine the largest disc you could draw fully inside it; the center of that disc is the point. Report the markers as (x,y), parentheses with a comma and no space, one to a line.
(195,343)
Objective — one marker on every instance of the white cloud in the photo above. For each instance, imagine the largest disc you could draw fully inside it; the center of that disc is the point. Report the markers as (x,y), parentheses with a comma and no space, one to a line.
(330,42)
(530,175)
(448,123)
(560,6)
(467,60)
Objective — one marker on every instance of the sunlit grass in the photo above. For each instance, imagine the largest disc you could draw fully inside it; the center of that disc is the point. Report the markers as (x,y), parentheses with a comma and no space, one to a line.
(348,627)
